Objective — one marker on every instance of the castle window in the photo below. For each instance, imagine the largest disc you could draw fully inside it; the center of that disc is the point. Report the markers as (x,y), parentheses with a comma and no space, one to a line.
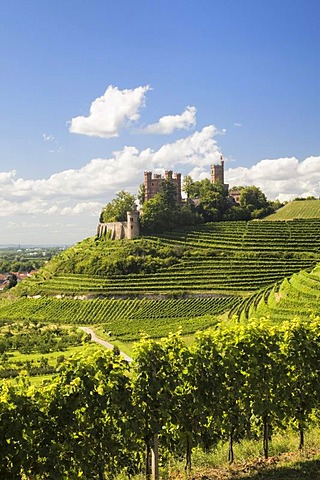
(131,220)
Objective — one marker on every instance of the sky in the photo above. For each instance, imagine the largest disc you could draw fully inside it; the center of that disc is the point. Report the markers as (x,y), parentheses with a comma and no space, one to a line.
(95,92)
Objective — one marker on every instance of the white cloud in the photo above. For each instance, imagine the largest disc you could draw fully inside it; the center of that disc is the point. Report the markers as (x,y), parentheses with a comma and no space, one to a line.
(83,191)
(47,137)
(197,149)
(111,112)
(169,123)
(282,178)
(237,124)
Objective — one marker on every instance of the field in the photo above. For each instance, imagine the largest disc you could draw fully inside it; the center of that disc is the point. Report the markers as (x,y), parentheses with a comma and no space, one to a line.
(297,209)
(37,348)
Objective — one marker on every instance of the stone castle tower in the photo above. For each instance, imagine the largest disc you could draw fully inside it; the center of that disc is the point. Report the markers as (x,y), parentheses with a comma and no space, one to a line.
(153,185)
(133,223)
(217,172)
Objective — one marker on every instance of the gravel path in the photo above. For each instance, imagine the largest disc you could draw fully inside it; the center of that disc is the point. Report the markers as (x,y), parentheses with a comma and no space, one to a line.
(96,339)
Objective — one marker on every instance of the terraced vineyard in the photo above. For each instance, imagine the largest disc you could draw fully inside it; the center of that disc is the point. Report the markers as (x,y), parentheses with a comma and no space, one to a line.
(202,274)
(298,209)
(125,319)
(298,296)
(230,260)
(290,236)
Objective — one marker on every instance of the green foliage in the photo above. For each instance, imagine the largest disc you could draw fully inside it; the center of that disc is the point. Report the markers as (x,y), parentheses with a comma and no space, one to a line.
(12,280)
(125,319)
(103,257)
(187,185)
(141,194)
(116,210)
(94,420)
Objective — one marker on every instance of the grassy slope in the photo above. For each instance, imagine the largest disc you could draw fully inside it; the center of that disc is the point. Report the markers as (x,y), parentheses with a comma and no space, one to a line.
(297,209)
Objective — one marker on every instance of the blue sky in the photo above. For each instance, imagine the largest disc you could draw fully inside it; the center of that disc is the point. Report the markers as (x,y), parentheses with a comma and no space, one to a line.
(95,92)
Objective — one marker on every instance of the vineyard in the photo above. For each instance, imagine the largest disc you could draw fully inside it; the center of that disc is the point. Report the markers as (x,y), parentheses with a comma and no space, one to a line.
(102,416)
(298,296)
(201,274)
(125,320)
(289,236)
(185,278)
(297,209)
(189,280)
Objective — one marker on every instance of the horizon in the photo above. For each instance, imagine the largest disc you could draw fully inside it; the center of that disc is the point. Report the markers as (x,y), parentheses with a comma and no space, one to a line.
(95,93)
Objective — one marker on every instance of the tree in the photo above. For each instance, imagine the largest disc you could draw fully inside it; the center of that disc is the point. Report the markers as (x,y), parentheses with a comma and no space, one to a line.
(142,194)
(253,198)
(163,212)
(12,280)
(168,194)
(187,184)
(116,210)
(213,200)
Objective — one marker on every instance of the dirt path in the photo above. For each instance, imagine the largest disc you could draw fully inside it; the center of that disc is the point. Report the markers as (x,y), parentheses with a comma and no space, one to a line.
(96,339)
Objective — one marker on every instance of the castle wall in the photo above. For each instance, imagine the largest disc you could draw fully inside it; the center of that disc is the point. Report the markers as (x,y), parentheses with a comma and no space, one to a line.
(119,230)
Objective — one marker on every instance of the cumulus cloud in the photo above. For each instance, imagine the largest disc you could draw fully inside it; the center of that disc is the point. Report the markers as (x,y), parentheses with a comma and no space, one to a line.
(282,178)
(169,123)
(111,112)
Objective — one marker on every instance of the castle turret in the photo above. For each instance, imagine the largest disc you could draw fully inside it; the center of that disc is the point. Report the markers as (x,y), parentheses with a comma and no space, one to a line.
(133,223)
(217,172)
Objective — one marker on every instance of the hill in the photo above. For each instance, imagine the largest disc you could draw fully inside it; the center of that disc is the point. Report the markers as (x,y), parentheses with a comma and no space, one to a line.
(297,209)
(155,284)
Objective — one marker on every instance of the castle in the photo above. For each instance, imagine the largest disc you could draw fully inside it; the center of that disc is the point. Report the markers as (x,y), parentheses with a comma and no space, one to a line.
(153,185)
